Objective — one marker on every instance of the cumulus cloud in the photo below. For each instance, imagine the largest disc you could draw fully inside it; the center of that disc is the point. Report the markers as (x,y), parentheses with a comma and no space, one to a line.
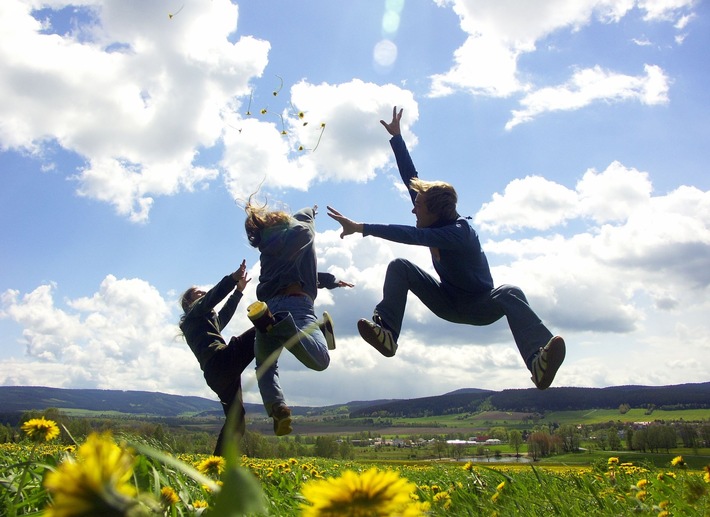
(611,288)
(500,33)
(338,132)
(593,85)
(134,93)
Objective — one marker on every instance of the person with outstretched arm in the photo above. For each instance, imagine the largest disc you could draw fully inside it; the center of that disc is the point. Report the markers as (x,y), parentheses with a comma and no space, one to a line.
(222,363)
(464,291)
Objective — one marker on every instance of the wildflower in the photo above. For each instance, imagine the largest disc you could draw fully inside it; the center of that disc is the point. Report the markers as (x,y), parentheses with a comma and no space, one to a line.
(96,483)
(706,475)
(41,428)
(200,504)
(678,462)
(301,114)
(495,497)
(443,499)
(500,486)
(664,513)
(371,493)
(469,466)
(263,111)
(168,496)
(641,495)
(612,461)
(212,465)
(642,483)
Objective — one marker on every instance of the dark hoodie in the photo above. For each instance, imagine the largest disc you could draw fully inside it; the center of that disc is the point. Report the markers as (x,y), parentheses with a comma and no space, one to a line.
(288,256)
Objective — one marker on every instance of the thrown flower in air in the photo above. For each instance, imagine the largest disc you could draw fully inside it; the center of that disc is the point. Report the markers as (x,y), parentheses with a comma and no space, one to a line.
(97,482)
(39,429)
(212,466)
(277,90)
(170,15)
(373,493)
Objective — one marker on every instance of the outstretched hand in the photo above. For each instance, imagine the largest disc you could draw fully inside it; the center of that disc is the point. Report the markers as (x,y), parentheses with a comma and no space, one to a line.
(393,127)
(240,275)
(349,226)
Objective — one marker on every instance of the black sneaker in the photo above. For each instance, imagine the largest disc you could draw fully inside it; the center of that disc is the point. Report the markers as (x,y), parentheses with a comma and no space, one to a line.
(380,338)
(547,362)
(282,419)
(327,329)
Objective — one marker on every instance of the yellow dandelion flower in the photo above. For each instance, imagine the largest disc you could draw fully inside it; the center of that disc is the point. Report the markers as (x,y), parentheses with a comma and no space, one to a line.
(469,466)
(97,482)
(500,486)
(442,498)
(263,111)
(211,466)
(642,483)
(641,495)
(664,513)
(677,461)
(664,504)
(293,461)
(168,496)
(200,504)
(495,497)
(41,429)
(373,493)
(706,477)
(613,461)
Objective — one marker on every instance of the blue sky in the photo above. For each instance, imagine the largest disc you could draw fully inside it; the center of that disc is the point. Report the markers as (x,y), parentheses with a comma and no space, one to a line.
(574,131)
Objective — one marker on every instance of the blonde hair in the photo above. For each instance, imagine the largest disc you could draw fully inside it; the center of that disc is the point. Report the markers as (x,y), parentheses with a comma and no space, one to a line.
(440,197)
(259,218)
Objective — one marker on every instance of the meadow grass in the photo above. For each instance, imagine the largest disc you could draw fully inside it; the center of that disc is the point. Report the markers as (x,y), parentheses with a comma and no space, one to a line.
(190,484)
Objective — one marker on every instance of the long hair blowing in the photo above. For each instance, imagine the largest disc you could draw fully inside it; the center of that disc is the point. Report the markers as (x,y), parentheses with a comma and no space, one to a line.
(259,218)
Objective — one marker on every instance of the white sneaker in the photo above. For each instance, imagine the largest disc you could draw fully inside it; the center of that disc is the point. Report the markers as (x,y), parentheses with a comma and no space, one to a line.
(327,329)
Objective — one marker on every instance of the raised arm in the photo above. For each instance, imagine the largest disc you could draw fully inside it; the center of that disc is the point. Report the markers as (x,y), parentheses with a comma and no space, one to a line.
(407,171)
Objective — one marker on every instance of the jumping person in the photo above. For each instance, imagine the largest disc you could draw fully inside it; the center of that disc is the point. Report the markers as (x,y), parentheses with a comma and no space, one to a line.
(222,363)
(464,292)
(284,315)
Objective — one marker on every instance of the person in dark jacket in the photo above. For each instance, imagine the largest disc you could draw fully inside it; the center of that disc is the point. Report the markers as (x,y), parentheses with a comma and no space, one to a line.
(464,291)
(284,315)
(222,363)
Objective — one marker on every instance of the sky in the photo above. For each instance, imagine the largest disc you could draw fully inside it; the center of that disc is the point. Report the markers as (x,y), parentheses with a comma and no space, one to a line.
(574,131)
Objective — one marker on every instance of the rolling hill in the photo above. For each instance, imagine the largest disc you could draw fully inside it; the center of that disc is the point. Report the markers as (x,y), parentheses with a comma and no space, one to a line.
(15,400)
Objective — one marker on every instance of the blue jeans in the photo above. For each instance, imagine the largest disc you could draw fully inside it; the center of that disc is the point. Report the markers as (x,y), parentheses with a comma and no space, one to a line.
(483,309)
(296,329)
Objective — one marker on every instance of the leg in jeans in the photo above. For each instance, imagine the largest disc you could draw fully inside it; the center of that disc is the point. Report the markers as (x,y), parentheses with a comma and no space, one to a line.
(297,329)
(528,330)
(403,276)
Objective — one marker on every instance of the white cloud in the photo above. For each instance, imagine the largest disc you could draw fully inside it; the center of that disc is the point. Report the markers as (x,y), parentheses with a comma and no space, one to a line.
(349,148)
(594,85)
(499,33)
(135,93)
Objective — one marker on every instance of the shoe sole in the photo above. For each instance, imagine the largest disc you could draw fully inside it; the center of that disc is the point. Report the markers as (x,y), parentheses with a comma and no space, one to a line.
(282,427)
(556,351)
(372,338)
(328,331)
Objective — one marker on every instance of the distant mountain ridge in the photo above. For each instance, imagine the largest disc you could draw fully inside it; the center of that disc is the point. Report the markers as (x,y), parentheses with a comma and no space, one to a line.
(17,399)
